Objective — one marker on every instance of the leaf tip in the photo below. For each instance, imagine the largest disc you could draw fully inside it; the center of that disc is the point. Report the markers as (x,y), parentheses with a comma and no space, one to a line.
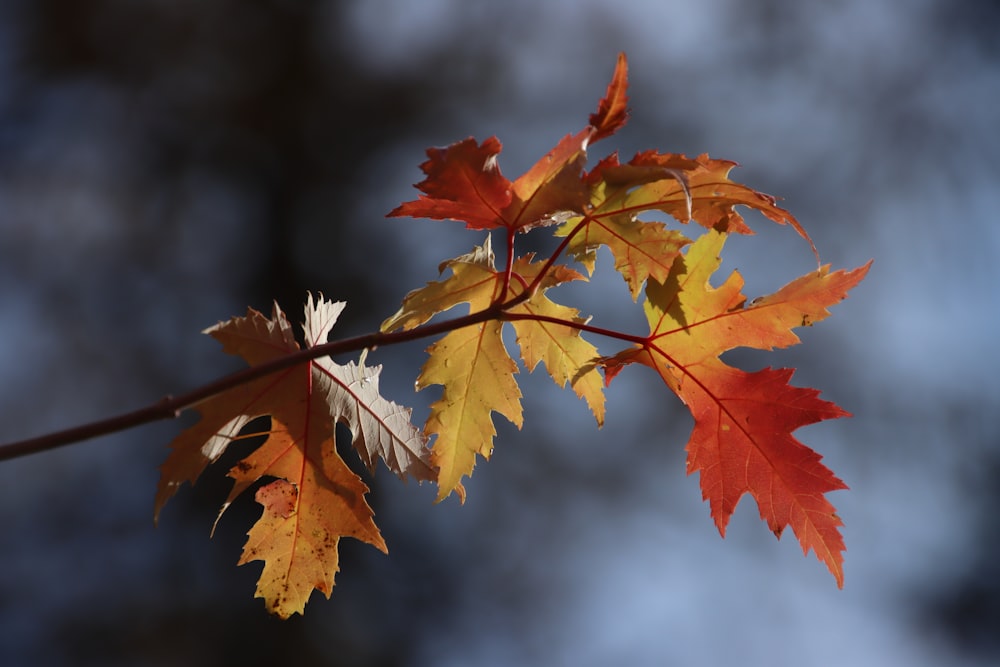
(444,492)
(612,111)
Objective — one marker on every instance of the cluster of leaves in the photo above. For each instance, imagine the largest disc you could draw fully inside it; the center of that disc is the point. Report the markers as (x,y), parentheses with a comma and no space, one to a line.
(742,439)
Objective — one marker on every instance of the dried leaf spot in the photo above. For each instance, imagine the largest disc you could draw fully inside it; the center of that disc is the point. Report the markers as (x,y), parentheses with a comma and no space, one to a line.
(279,498)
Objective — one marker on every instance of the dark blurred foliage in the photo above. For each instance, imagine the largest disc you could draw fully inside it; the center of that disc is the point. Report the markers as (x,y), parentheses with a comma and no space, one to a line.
(966,607)
(963,608)
(261,96)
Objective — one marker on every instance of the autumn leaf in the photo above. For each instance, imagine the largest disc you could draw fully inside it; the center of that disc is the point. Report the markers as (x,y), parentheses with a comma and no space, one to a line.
(697,189)
(465,285)
(642,249)
(708,196)
(742,439)
(463,181)
(612,110)
(472,363)
(568,358)
(478,378)
(314,498)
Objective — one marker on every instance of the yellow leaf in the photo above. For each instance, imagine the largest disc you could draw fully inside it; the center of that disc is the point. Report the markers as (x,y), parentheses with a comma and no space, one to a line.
(473,366)
(478,378)
(567,356)
(465,285)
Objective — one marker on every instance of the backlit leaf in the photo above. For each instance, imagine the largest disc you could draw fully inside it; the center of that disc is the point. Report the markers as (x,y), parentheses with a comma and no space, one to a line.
(742,439)
(315,499)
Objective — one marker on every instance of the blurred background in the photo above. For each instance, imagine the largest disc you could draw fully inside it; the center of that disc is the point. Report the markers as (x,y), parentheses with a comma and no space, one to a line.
(163,165)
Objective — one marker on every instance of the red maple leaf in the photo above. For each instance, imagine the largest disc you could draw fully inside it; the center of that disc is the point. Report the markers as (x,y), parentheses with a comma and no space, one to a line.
(742,439)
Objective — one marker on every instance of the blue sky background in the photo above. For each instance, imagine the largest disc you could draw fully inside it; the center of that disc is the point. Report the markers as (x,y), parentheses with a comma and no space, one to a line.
(162,166)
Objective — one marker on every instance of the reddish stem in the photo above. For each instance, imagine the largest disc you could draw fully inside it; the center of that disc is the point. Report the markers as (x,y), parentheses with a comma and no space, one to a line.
(508,268)
(580,326)
(172,406)
(555,255)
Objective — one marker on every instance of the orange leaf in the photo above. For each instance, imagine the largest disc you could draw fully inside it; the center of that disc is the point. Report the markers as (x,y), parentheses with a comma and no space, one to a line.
(688,189)
(612,112)
(641,249)
(551,189)
(742,439)
(708,196)
(463,181)
(315,499)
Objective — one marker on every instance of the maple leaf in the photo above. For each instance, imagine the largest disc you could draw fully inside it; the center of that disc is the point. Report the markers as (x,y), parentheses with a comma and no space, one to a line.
(315,499)
(567,356)
(463,181)
(612,110)
(708,196)
(642,249)
(688,189)
(477,376)
(742,439)
(473,365)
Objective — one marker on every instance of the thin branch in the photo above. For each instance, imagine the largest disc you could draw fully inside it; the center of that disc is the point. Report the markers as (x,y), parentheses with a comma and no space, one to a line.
(580,326)
(557,253)
(171,407)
